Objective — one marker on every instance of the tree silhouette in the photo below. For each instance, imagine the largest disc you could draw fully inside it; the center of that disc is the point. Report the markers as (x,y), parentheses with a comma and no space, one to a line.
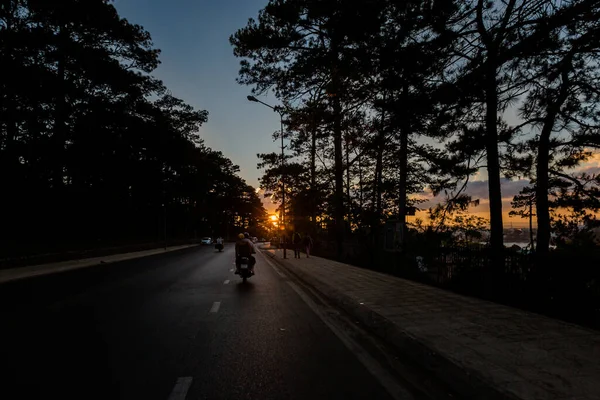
(94,150)
(562,105)
(390,103)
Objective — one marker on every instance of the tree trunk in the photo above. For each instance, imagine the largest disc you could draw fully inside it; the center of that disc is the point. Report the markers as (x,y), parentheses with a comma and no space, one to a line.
(376,201)
(379,166)
(360,183)
(59,131)
(335,93)
(313,178)
(493,164)
(542,169)
(404,132)
(11,156)
(9,109)
(348,194)
(531,225)
(542,185)
(339,176)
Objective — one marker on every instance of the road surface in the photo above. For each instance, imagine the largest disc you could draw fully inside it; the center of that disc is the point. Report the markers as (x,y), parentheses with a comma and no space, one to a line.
(173,326)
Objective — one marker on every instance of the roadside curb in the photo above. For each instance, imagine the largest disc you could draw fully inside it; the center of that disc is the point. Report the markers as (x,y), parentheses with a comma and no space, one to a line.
(34,271)
(468,382)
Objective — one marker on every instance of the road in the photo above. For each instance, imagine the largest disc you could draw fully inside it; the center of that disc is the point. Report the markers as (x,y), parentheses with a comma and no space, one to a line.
(178,322)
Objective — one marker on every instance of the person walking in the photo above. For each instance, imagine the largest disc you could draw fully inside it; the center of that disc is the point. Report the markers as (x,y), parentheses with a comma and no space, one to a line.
(308,243)
(297,240)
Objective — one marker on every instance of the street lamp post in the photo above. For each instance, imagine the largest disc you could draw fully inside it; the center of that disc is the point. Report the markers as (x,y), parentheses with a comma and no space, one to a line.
(279,111)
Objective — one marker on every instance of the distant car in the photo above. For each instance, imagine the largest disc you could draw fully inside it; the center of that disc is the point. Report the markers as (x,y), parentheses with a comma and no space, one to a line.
(206,240)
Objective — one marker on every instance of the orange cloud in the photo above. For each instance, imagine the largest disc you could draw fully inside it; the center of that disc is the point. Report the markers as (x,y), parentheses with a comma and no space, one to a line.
(268,204)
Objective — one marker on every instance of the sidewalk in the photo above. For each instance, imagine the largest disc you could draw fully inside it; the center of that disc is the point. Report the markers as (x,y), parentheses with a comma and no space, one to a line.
(12,274)
(492,351)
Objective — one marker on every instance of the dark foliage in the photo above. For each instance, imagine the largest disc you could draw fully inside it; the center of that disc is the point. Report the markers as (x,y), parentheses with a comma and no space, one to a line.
(93,149)
(389,103)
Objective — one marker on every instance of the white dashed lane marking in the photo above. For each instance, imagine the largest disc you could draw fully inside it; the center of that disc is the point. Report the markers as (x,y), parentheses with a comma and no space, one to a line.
(215,307)
(181,388)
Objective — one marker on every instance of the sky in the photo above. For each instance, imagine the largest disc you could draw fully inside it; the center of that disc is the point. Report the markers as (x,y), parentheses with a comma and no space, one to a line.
(198,66)
(478,189)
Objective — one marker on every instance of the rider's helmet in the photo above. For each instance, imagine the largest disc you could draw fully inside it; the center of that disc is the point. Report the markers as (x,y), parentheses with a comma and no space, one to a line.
(246,235)
(241,236)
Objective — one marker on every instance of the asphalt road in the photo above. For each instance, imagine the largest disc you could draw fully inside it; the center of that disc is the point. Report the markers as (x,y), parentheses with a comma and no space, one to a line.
(134,329)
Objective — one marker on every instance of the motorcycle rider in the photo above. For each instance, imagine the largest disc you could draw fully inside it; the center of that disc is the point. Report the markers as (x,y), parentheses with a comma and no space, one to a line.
(219,243)
(244,248)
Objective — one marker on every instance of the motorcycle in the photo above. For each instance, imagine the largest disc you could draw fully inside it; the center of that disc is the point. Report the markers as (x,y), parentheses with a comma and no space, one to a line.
(245,271)
(219,246)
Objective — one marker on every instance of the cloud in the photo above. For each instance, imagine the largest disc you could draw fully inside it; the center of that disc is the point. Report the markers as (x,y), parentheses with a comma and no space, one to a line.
(510,188)
(268,204)
(591,170)
(478,190)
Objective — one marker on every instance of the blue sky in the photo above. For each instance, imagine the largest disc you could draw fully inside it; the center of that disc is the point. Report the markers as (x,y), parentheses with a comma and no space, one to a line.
(198,66)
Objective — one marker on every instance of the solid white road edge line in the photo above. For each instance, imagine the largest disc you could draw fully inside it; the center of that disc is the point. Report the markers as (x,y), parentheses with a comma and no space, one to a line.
(279,272)
(275,268)
(181,388)
(215,307)
(385,379)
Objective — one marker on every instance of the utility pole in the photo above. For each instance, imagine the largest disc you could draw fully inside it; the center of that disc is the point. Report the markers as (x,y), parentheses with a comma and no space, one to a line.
(280,112)
(282,182)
